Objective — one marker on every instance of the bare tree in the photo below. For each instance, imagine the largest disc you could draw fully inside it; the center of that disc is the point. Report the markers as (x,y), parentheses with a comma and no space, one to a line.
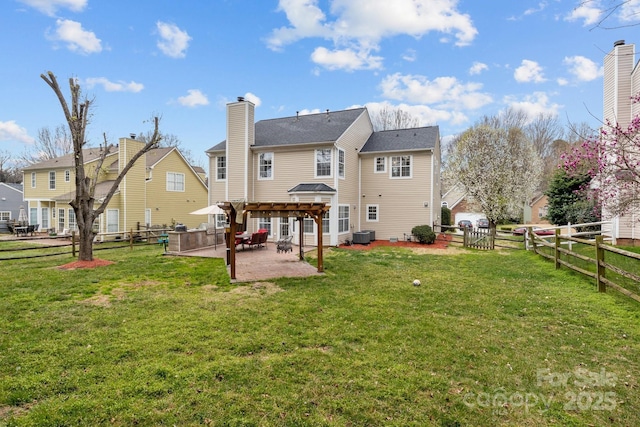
(389,118)
(76,115)
(49,145)
(9,172)
(626,7)
(171,140)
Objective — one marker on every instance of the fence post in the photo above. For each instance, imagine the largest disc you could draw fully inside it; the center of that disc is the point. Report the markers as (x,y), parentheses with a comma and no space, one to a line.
(73,243)
(532,239)
(557,252)
(569,234)
(131,239)
(465,237)
(601,270)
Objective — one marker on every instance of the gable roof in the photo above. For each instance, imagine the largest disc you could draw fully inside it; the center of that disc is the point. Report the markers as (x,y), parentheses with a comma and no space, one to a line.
(12,186)
(424,138)
(66,161)
(301,129)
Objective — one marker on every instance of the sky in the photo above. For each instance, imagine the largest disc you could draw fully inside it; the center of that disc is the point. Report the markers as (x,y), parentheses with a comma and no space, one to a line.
(446,62)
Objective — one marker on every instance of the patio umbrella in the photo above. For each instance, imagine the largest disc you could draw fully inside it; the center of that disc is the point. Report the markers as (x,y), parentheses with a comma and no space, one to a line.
(22,216)
(211,210)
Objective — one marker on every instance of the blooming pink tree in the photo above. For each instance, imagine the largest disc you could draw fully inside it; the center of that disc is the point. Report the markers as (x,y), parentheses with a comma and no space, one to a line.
(612,160)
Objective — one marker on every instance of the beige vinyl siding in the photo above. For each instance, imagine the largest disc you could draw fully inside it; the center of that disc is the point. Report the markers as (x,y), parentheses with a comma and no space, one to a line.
(400,201)
(290,168)
(217,189)
(174,206)
(240,134)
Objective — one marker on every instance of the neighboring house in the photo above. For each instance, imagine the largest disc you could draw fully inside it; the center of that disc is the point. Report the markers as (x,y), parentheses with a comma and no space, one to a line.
(461,205)
(11,198)
(535,212)
(621,81)
(386,181)
(160,189)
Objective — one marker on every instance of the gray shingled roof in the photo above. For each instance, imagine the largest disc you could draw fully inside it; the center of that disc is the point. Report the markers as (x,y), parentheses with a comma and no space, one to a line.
(91,154)
(424,138)
(303,129)
(312,187)
(102,188)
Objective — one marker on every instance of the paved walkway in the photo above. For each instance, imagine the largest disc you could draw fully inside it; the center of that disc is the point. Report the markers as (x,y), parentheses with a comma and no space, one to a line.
(259,264)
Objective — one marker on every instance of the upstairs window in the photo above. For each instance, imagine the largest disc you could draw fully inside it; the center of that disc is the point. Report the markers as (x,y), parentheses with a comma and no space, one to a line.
(341,163)
(175,181)
(323,162)
(33,180)
(221,168)
(380,165)
(67,175)
(401,167)
(265,166)
(52,180)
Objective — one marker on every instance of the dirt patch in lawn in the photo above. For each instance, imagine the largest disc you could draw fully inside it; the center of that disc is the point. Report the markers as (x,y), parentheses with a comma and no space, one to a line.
(258,289)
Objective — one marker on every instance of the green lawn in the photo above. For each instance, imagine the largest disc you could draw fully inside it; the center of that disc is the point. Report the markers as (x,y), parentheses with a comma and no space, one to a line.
(489,338)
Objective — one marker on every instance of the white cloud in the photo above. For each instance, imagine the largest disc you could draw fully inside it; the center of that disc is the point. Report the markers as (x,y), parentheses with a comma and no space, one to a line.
(50,7)
(410,55)
(346,59)
(195,98)
(427,116)
(118,86)
(529,71)
(253,99)
(583,68)
(630,11)
(534,104)
(77,38)
(477,68)
(173,41)
(356,27)
(446,92)
(587,11)
(11,131)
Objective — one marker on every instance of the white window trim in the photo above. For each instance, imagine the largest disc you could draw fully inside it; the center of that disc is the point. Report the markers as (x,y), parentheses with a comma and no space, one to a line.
(384,164)
(67,175)
(377,213)
(226,169)
(117,224)
(348,218)
(315,163)
(5,215)
(33,180)
(49,180)
(342,174)
(273,163)
(184,185)
(410,167)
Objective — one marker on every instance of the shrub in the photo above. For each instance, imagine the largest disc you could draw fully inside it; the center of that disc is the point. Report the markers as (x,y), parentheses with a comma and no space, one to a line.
(424,234)
(445,214)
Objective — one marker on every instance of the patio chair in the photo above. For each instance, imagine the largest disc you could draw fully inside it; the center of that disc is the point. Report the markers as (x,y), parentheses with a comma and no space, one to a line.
(284,245)
(256,240)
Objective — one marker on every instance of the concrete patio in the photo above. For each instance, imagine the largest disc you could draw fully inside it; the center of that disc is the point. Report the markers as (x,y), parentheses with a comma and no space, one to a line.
(259,263)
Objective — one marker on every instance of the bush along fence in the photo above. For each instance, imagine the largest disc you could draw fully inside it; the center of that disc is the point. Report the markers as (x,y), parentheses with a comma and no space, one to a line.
(606,263)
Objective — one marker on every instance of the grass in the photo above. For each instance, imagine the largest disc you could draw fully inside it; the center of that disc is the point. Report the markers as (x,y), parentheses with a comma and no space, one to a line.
(489,338)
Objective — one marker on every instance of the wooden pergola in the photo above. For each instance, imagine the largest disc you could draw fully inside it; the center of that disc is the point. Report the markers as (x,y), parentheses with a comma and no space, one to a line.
(298,210)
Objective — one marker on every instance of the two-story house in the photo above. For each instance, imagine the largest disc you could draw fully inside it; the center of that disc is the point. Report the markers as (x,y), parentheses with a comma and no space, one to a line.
(387,182)
(160,189)
(621,82)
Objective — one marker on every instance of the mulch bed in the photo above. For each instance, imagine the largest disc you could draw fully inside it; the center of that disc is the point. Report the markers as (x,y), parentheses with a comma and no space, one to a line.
(442,242)
(85,264)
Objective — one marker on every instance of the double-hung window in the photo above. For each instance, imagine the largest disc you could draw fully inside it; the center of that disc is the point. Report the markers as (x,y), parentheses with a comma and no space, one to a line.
(265,165)
(52,180)
(67,175)
(175,181)
(343,219)
(372,213)
(221,168)
(380,165)
(323,162)
(341,169)
(33,180)
(326,223)
(401,167)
